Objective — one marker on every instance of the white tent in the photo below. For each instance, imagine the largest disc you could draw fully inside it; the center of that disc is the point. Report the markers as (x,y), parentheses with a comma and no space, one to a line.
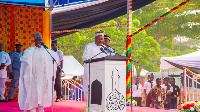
(176,64)
(72,67)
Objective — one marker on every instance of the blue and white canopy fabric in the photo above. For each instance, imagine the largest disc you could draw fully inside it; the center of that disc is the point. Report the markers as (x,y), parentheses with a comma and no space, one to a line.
(44,3)
(190,61)
(24,2)
(62,3)
(89,14)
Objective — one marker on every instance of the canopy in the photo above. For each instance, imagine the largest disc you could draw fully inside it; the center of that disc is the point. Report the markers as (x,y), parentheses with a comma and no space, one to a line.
(191,61)
(89,14)
(72,67)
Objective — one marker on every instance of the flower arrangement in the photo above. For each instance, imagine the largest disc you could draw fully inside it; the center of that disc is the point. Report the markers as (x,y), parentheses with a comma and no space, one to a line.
(134,103)
(193,106)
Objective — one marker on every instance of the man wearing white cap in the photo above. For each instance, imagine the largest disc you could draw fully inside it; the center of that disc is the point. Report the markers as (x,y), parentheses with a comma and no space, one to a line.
(94,48)
(35,82)
(109,49)
(90,51)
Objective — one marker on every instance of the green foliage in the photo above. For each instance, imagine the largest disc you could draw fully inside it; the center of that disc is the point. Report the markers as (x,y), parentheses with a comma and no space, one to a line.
(180,22)
(144,47)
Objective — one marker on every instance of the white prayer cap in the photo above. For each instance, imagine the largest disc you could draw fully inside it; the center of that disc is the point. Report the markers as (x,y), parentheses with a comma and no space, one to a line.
(99,33)
(106,37)
(37,35)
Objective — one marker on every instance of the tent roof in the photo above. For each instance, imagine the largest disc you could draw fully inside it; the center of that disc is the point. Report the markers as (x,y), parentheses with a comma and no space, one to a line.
(191,61)
(86,15)
(72,67)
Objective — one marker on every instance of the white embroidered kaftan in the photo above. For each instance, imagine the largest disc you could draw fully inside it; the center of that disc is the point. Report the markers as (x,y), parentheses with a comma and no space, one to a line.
(90,51)
(35,82)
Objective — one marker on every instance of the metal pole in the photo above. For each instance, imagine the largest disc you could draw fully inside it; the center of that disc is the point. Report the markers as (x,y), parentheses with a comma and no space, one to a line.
(196,90)
(52,85)
(89,89)
(185,89)
(51,5)
(61,86)
(78,94)
(68,91)
(65,90)
(81,94)
(188,88)
(162,71)
(192,89)
(75,92)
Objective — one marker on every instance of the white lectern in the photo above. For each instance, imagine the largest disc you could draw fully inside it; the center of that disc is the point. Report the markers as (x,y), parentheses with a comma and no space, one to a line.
(108,84)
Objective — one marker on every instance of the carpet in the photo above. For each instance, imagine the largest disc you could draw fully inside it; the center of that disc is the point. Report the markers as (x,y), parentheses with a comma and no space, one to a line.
(72,106)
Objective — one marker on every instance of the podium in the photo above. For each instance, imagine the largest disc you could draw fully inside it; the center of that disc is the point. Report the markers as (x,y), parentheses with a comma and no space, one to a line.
(107,84)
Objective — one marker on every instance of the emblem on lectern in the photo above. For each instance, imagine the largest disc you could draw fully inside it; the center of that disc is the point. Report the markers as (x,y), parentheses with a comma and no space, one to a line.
(115,100)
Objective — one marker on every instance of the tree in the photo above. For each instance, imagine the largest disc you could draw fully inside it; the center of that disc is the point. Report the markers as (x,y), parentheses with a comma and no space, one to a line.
(182,22)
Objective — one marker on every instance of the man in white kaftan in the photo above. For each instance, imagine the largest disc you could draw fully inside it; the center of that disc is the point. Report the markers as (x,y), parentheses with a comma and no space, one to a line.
(35,82)
(90,51)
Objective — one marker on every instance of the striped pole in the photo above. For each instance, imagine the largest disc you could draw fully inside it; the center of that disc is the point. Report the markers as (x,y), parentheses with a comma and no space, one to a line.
(128,49)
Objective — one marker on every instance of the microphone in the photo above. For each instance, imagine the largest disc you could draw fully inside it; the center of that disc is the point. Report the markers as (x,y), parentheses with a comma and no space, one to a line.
(103,50)
(103,46)
(109,49)
(112,49)
(42,43)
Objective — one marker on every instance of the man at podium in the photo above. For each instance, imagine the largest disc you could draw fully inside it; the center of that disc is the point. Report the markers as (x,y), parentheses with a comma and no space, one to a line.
(92,51)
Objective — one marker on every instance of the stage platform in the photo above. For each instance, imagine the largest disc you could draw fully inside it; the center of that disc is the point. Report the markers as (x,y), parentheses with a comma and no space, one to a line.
(72,106)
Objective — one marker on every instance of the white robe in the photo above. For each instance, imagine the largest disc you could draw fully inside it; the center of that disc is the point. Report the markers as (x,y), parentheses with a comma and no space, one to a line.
(35,82)
(90,50)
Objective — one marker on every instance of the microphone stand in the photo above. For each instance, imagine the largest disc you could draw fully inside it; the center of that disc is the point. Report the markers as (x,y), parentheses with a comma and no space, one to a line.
(54,74)
(93,57)
(89,61)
